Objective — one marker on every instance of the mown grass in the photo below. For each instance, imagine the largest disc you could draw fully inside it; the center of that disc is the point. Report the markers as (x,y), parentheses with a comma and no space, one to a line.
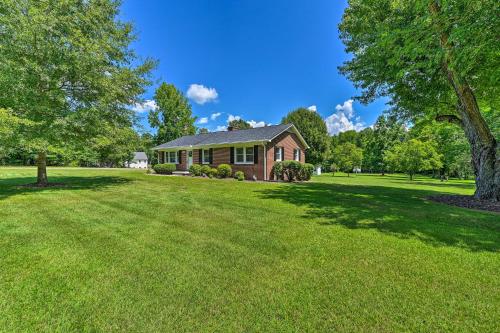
(118,250)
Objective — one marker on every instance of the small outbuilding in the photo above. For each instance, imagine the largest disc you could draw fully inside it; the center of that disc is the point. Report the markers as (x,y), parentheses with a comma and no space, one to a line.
(140,161)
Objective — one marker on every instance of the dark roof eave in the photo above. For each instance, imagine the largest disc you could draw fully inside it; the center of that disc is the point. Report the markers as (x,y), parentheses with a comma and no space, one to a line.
(224,144)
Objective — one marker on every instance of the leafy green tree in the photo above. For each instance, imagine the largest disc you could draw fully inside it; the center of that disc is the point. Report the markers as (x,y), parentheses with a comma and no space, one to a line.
(313,129)
(202,130)
(345,137)
(347,156)
(239,124)
(115,147)
(437,58)
(333,168)
(65,68)
(145,143)
(386,133)
(449,140)
(173,116)
(413,156)
(461,165)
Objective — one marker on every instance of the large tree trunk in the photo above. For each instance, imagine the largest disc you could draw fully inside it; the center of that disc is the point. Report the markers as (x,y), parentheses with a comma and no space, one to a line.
(484,156)
(41,163)
(483,144)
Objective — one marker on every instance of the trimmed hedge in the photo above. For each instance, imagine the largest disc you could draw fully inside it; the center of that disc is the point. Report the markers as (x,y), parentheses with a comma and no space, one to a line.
(195,170)
(212,173)
(224,170)
(205,170)
(278,170)
(293,170)
(164,169)
(240,175)
(306,171)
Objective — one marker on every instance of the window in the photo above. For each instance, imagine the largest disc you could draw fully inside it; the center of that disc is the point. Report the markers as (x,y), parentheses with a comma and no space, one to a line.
(296,154)
(278,151)
(244,155)
(171,157)
(206,156)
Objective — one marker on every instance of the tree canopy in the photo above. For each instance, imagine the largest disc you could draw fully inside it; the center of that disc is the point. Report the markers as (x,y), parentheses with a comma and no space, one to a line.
(431,58)
(387,132)
(313,129)
(66,71)
(413,156)
(347,156)
(173,117)
(238,124)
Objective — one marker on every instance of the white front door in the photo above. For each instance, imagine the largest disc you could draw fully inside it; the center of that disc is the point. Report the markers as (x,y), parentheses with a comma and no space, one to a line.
(189,158)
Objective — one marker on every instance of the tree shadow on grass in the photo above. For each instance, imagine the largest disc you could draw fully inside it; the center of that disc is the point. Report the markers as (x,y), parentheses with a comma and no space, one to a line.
(448,184)
(403,213)
(17,186)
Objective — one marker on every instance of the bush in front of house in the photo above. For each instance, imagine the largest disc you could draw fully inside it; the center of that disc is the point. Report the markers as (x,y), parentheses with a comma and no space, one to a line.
(291,169)
(240,175)
(205,170)
(224,170)
(212,172)
(164,169)
(278,170)
(195,170)
(306,171)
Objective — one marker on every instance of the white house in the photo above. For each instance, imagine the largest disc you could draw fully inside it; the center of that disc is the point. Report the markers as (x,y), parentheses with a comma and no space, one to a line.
(140,161)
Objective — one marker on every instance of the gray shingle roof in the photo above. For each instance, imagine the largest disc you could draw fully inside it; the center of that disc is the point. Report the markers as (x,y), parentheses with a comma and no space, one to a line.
(266,133)
(140,155)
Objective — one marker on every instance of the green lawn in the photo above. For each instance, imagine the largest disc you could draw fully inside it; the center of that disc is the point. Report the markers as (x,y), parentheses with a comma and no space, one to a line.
(118,250)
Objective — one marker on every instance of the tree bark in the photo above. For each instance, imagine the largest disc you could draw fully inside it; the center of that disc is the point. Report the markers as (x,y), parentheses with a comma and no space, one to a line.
(41,163)
(484,158)
(483,144)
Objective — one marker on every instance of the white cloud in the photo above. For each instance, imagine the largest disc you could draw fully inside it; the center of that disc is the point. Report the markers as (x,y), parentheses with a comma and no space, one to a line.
(214,116)
(148,105)
(221,128)
(313,108)
(346,108)
(254,123)
(230,118)
(201,94)
(203,120)
(342,120)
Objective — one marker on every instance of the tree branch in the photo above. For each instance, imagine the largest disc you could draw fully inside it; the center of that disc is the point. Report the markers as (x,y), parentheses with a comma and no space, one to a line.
(452,119)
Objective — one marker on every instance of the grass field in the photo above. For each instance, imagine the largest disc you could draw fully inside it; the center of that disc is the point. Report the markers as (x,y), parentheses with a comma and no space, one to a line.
(118,250)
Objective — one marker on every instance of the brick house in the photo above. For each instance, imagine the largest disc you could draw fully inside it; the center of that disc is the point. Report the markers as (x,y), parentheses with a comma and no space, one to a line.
(252,151)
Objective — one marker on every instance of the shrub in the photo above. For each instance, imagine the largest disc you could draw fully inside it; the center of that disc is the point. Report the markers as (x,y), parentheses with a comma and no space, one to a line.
(291,170)
(164,169)
(205,170)
(306,171)
(278,170)
(195,170)
(239,175)
(224,170)
(212,173)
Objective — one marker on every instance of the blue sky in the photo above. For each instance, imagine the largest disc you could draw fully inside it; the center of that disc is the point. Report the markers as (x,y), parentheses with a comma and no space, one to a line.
(254,59)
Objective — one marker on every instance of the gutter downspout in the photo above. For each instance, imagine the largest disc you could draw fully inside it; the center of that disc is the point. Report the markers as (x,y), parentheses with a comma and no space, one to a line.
(265,161)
